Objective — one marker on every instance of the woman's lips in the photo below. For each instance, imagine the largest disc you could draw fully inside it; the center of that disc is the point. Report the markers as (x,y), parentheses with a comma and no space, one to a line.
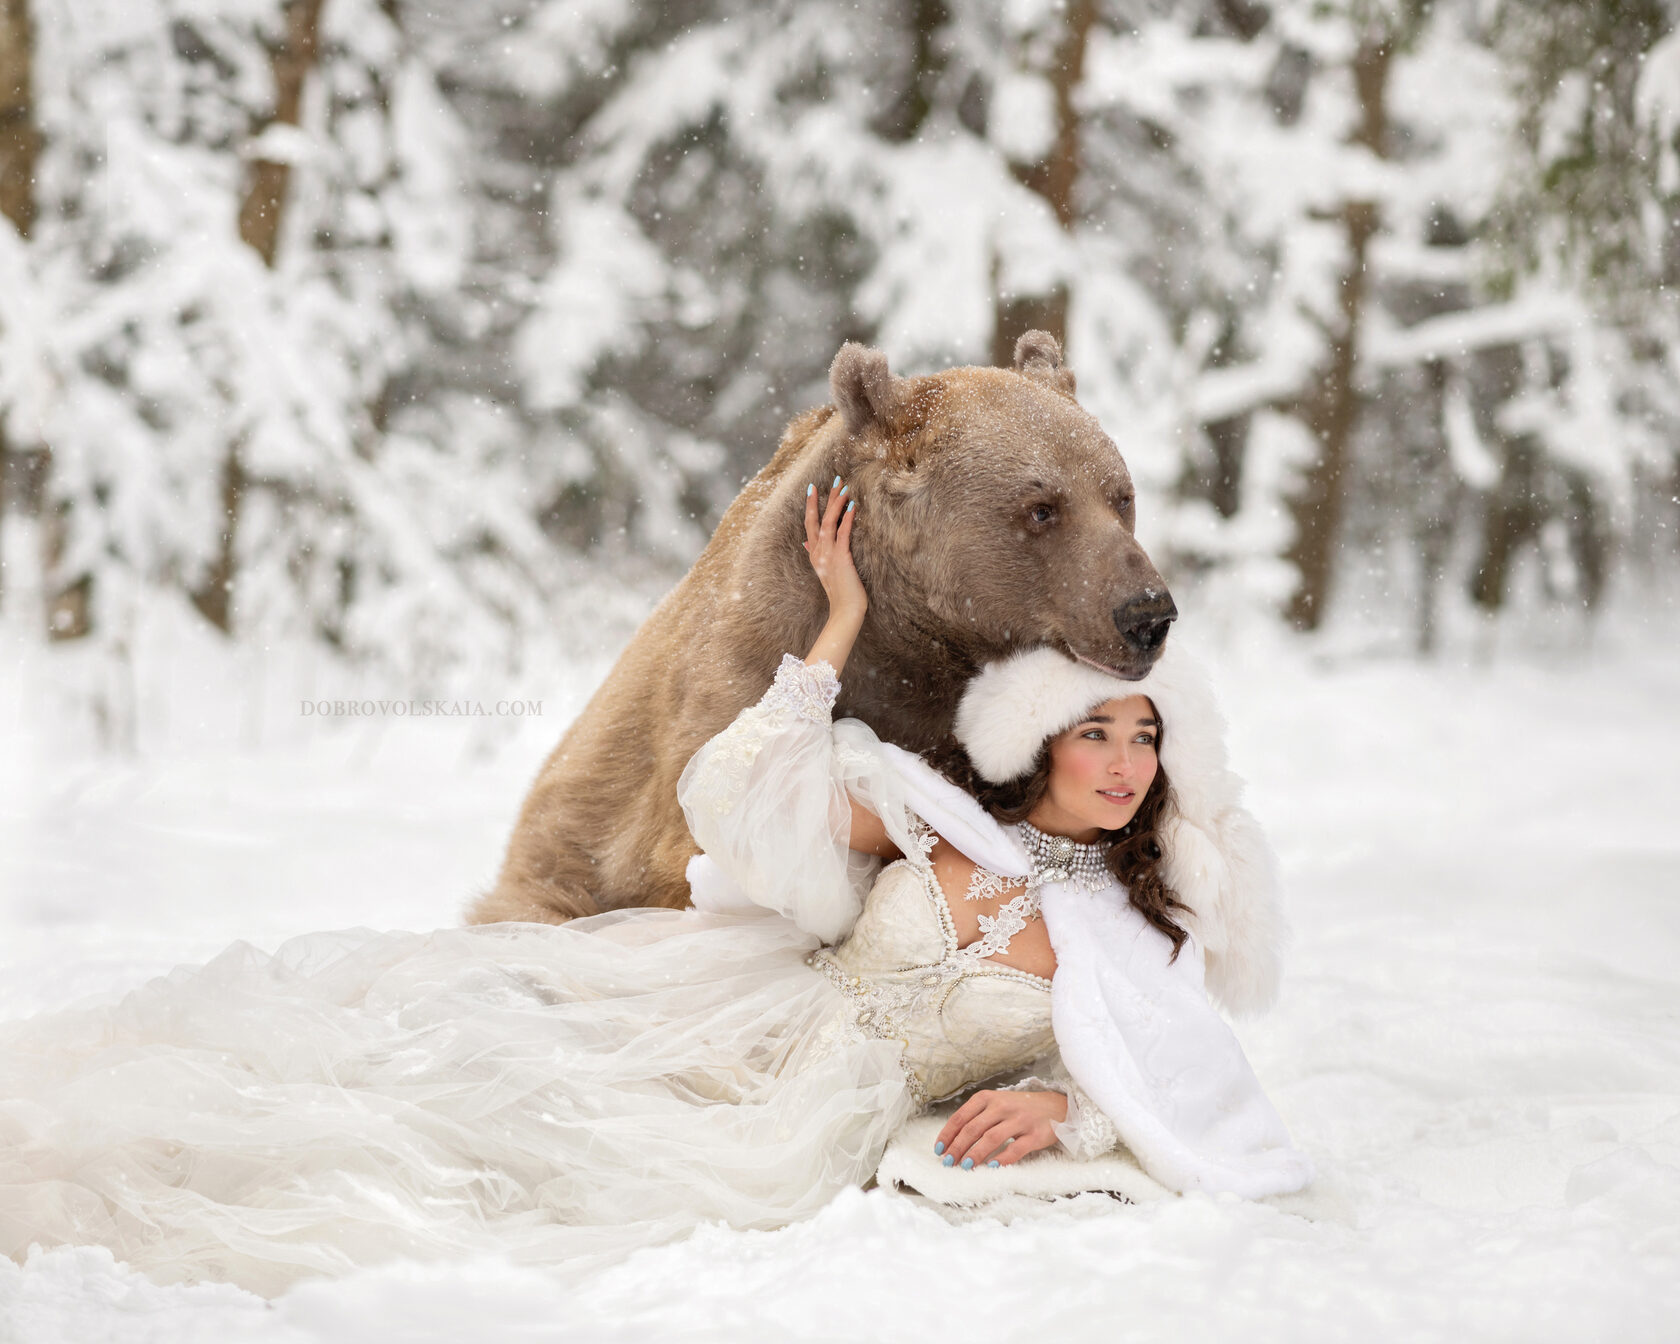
(1118,796)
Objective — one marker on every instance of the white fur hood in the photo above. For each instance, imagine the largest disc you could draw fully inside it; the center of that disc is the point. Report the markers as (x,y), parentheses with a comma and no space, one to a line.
(1217,857)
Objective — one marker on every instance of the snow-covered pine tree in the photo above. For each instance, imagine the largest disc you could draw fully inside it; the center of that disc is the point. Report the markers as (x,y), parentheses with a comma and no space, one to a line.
(244,434)
(701,247)
(549,273)
(737,189)
(1326,247)
(20,146)
(1587,455)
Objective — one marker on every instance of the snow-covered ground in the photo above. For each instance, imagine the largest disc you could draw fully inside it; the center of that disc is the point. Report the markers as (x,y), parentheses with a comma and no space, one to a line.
(1479,1039)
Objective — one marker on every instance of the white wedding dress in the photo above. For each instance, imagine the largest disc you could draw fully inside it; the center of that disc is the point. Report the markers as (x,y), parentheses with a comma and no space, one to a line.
(557,1095)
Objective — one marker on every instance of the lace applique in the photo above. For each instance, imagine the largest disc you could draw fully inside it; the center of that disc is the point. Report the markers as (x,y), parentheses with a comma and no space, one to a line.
(996,930)
(809,690)
(924,838)
(897,1006)
(985,885)
(1087,1132)
(729,761)
(726,762)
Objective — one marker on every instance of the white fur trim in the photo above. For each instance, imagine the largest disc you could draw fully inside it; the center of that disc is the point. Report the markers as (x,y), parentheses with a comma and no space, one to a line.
(1011,706)
(909,1164)
(1217,857)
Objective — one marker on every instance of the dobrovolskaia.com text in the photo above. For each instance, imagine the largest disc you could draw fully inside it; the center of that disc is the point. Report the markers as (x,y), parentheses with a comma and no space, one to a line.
(421,709)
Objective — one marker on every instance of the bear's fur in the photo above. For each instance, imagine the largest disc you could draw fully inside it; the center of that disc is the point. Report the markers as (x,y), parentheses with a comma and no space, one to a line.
(993,514)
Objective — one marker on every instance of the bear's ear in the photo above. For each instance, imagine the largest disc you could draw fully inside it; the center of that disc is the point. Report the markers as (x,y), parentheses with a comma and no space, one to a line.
(1037,356)
(863,388)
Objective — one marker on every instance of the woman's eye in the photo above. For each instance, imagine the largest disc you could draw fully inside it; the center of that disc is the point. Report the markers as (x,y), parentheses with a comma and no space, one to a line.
(1145,739)
(1095,734)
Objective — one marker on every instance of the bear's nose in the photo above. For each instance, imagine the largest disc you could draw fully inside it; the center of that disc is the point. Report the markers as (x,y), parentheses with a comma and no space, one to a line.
(1143,622)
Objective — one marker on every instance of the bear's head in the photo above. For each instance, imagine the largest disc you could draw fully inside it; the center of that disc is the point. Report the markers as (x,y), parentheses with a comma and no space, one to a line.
(994,512)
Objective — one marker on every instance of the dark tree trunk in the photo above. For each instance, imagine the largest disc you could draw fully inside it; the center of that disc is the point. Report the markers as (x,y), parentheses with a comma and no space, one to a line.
(901,119)
(1228,440)
(1331,411)
(1031,312)
(1056,179)
(69,601)
(1432,525)
(20,147)
(265,189)
(1511,519)
(261,214)
(19,144)
(20,138)
(1589,542)
(214,597)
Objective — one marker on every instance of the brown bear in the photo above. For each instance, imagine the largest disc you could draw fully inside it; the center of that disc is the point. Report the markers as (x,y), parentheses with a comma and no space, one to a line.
(993,514)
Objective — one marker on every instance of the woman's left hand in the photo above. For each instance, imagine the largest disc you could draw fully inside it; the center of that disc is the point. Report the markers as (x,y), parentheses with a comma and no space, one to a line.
(988,1120)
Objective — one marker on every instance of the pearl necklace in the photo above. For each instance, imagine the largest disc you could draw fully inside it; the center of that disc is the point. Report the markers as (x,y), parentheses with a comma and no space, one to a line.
(1058,858)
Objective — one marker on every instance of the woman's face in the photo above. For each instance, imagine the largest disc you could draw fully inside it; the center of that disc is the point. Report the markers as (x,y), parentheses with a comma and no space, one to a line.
(1100,770)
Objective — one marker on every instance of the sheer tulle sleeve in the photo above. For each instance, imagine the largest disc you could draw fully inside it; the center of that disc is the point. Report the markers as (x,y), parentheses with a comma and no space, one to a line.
(767,800)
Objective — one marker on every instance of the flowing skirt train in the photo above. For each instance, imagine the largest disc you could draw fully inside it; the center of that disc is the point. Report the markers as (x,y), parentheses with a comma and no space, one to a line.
(556,1095)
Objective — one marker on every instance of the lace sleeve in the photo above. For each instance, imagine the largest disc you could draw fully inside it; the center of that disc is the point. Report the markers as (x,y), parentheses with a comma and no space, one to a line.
(765,800)
(1087,1132)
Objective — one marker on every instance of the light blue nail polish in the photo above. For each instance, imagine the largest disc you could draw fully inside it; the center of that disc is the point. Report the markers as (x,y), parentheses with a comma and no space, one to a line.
(947,1160)
(849,504)
(992,1163)
(968,1164)
(836,482)
(938,1148)
(810,490)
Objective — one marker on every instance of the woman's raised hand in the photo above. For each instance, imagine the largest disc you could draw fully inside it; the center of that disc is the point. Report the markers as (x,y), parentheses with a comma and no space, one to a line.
(828,541)
(981,1129)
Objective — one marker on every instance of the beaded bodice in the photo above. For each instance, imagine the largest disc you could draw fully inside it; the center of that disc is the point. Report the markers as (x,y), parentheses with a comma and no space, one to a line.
(960,1017)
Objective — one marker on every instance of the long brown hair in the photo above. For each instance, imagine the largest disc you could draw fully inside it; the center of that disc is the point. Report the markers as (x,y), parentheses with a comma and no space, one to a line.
(1134,853)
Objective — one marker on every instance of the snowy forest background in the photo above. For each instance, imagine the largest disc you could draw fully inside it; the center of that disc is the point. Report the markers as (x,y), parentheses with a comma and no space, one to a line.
(426,343)
(379,348)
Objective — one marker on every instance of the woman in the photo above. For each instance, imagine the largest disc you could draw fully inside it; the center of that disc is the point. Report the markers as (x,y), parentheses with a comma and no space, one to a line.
(564,1095)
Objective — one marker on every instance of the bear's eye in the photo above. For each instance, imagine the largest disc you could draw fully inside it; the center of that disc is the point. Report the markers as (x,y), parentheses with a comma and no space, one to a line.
(1041,514)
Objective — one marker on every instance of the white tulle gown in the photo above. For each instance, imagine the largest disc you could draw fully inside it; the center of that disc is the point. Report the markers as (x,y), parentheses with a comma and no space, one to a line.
(558,1095)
